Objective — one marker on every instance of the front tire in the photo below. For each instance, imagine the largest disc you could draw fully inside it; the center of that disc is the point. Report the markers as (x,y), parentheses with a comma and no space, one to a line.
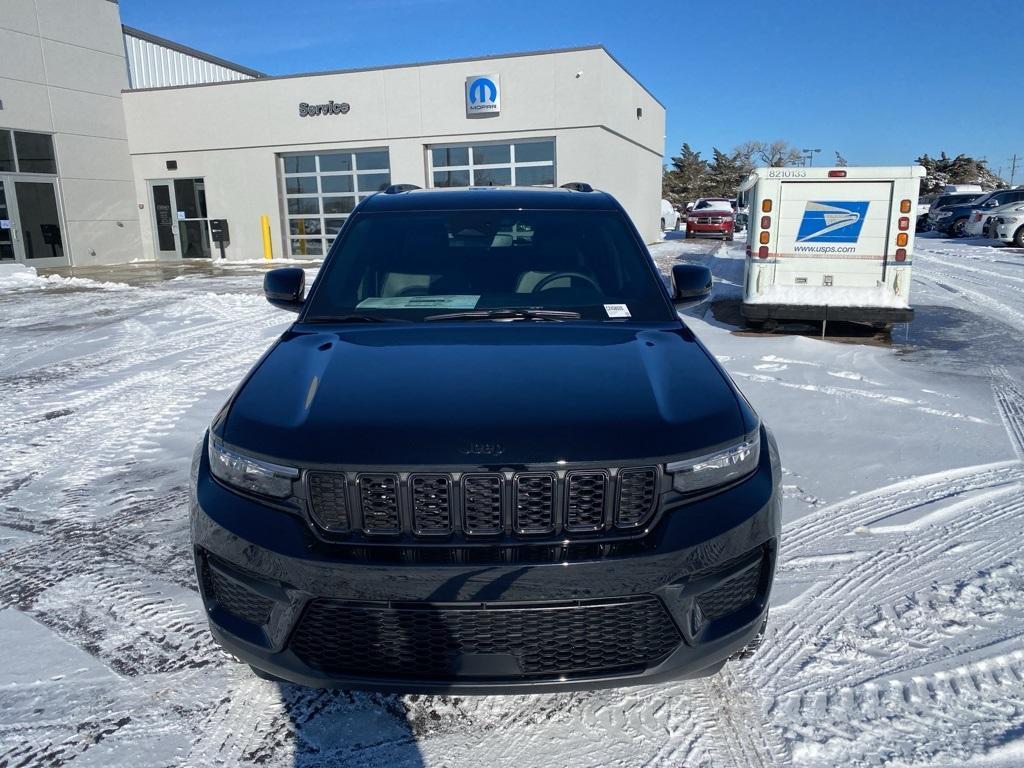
(1018,238)
(662,225)
(730,236)
(959,227)
(676,227)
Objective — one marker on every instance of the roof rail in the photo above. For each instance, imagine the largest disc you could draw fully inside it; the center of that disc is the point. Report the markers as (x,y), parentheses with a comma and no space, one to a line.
(394,189)
(577,186)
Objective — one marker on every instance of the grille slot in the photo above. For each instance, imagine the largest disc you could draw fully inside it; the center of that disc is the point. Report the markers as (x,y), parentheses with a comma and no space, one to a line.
(424,643)
(585,505)
(481,503)
(236,599)
(638,489)
(535,503)
(378,500)
(431,503)
(729,596)
(328,502)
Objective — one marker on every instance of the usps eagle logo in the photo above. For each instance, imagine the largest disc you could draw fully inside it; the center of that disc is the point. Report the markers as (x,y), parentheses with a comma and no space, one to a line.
(832,221)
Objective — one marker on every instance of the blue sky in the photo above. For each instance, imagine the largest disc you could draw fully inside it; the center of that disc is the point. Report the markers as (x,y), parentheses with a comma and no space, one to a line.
(879,81)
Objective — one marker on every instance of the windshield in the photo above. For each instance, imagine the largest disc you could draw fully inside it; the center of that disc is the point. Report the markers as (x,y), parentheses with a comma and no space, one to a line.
(716,205)
(414,265)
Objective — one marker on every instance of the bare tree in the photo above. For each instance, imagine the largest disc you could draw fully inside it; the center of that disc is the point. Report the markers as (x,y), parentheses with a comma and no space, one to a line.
(840,160)
(775,154)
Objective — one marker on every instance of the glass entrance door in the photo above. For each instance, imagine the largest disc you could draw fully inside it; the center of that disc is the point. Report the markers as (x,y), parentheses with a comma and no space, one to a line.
(30,223)
(6,227)
(42,240)
(181,227)
(165,231)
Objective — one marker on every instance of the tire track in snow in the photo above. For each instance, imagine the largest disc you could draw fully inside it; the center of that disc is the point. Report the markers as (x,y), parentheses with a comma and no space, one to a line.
(1010,398)
(908,563)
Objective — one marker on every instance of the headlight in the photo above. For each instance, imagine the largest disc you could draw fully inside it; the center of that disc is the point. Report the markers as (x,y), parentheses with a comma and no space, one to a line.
(717,468)
(249,474)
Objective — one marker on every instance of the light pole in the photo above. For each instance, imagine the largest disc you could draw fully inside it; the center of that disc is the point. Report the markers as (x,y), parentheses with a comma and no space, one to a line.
(809,155)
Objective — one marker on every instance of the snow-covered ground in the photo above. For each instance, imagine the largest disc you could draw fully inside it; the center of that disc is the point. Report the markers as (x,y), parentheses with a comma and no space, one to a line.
(897,627)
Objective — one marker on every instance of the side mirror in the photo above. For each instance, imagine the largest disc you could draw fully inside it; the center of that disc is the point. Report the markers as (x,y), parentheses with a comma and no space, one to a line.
(691,284)
(284,288)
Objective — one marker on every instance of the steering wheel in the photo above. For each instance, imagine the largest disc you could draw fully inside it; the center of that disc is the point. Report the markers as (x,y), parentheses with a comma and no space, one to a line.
(546,281)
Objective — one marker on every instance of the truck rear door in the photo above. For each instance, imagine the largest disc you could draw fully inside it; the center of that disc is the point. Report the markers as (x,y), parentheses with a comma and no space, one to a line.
(832,233)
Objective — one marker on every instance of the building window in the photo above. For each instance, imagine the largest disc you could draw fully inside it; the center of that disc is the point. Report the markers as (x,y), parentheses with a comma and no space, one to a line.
(25,152)
(320,191)
(529,163)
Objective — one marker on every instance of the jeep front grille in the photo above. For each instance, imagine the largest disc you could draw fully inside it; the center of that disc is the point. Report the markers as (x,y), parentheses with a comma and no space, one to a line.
(638,490)
(535,503)
(482,504)
(431,503)
(378,501)
(527,505)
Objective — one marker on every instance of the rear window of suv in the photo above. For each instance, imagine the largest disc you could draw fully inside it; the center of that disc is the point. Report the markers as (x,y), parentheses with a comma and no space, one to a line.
(408,265)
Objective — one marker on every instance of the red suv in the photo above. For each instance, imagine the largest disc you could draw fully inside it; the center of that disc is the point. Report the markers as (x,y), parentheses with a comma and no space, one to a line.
(711,216)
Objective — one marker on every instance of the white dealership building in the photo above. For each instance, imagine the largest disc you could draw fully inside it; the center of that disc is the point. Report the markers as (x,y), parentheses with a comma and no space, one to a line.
(117,145)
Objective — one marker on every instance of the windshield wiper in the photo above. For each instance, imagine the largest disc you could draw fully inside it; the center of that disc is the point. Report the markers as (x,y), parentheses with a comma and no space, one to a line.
(353,318)
(507,314)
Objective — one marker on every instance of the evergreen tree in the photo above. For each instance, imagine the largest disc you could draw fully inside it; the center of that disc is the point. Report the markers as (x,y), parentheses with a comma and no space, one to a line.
(725,173)
(686,179)
(962,169)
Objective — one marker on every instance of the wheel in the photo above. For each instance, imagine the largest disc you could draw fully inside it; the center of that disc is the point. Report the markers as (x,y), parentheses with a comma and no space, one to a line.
(689,234)
(663,225)
(676,227)
(1018,238)
(264,675)
(959,227)
(730,236)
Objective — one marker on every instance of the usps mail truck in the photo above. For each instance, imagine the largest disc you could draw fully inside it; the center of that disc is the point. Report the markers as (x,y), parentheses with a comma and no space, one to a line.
(830,244)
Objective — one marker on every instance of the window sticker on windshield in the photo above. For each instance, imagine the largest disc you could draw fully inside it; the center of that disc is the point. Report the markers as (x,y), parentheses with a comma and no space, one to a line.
(616,310)
(454,301)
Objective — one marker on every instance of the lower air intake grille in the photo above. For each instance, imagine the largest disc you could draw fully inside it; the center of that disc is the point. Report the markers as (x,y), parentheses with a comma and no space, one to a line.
(328,503)
(729,596)
(535,503)
(638,489)
(378,498)
(235,598)
(428,643)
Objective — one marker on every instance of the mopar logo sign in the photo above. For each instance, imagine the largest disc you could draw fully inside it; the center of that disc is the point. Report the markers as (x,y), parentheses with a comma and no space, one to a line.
(832,222)
(483,95)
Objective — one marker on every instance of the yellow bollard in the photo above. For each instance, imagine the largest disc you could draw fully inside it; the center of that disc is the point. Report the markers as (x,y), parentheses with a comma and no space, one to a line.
(268,250)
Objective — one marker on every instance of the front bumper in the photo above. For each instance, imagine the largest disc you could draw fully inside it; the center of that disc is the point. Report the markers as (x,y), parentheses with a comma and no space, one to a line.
(276,576)
(762,312)
(709,230)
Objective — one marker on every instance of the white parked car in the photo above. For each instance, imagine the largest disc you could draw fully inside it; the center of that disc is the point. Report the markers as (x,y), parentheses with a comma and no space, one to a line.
(1008,224)
(669,217)
(978,225)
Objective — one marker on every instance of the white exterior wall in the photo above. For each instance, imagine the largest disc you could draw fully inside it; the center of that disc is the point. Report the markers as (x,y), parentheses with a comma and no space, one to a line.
(231,133)
(62,69)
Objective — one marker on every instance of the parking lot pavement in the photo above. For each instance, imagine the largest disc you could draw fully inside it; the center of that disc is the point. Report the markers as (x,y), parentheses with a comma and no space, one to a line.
(897,620)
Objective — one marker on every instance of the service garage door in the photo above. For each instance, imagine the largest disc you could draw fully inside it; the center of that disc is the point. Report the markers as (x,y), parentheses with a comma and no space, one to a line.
(321,189)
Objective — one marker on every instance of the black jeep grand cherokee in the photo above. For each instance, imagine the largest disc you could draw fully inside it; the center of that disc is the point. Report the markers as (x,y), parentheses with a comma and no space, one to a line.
(487,457)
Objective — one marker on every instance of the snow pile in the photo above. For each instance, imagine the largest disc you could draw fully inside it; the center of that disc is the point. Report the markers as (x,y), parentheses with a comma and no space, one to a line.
(15,277)
(827,296)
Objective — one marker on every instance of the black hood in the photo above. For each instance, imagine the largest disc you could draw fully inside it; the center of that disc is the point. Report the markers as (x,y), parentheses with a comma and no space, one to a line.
(485,394)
